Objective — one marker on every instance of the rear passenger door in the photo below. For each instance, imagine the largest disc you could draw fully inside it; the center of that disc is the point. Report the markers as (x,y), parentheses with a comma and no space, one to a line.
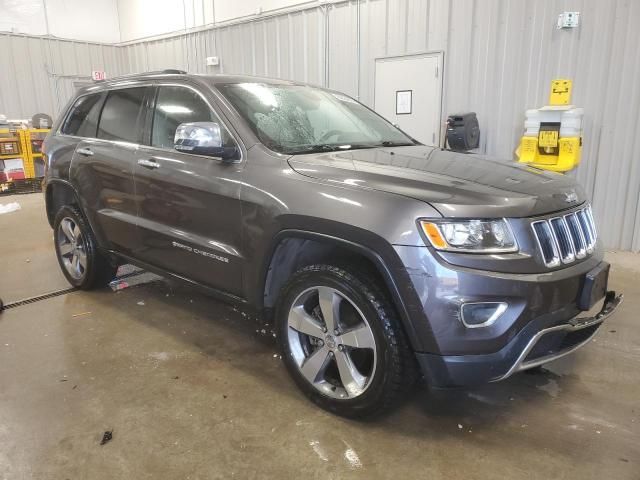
(189,207)
(103,167)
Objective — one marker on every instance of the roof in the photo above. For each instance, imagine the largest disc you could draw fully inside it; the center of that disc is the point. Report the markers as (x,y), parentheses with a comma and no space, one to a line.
(180,75)
(177,75)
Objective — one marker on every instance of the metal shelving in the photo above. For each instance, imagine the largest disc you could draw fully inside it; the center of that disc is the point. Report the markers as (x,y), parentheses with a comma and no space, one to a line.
(27,144)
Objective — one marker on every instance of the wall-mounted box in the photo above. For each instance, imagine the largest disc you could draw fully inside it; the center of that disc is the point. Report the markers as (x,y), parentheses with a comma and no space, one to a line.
(568,20)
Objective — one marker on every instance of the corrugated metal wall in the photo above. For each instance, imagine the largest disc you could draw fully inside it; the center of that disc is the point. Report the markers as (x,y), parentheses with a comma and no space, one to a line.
(500,59)
(500,56)
(38,74)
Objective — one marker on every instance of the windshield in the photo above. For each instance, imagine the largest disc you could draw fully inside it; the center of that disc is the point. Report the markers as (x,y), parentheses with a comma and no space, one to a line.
(296,119)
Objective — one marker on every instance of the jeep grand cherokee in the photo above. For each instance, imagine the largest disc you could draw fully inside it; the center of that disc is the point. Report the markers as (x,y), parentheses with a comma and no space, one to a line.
(378,258)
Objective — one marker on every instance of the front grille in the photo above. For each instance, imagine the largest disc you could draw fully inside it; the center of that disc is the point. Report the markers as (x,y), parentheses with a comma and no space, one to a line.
(565,238)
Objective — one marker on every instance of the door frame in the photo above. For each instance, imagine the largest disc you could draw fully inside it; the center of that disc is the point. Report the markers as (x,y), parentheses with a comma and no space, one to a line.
(439,54)
(204,95)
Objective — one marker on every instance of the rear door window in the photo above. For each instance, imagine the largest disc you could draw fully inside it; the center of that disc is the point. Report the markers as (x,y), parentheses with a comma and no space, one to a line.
(120,115)
(176,105)
(83,119)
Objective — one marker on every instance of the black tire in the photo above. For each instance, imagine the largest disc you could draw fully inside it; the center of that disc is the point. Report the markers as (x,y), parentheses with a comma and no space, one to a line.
(395,366)
(97,270)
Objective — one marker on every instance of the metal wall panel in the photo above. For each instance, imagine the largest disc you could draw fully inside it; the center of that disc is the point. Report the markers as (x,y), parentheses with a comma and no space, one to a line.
(500,56)
(289,46)
(342,48)
(37,74)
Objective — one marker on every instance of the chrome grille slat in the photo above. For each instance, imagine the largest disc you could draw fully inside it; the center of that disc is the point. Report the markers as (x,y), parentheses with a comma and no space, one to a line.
(586,229)
(547,243)
(564,239)
(576,233)
(565,243)
(593,222)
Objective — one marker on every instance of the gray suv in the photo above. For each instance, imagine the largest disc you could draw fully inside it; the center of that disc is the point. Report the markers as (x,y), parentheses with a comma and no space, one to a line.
(377,258)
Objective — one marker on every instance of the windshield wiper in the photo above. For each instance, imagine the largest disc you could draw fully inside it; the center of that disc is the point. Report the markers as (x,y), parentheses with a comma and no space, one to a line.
(388,143)
(326,147)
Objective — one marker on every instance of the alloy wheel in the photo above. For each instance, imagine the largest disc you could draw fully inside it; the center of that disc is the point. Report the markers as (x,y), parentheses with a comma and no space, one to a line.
(72,247)
(331,342)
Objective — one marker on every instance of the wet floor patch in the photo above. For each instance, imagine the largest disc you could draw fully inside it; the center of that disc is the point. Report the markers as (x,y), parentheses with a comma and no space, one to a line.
(126,276)
(131,276)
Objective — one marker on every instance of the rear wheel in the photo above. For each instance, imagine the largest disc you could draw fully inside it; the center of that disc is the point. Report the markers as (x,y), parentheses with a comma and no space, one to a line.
(341,341)
(81,262)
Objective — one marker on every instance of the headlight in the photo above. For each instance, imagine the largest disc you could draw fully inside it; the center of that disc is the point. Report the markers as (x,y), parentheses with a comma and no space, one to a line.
(476,236)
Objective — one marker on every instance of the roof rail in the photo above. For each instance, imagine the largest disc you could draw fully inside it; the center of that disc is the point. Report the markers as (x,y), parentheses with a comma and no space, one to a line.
(167,71)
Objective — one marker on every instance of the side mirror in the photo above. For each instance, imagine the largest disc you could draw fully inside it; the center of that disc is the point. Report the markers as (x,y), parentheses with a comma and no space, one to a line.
(203,138)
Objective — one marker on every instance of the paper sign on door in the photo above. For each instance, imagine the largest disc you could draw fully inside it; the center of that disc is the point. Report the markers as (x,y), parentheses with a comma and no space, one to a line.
(403,102)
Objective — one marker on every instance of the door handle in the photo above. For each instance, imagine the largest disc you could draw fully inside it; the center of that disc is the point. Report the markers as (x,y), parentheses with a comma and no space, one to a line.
(148,163)
(85,151)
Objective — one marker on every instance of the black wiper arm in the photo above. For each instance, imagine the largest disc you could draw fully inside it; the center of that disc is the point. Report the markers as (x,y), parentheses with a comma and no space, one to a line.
(314,149)
(388,143)
(325,147)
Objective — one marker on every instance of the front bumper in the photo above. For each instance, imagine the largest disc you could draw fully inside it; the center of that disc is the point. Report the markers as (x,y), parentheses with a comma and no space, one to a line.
(537,343)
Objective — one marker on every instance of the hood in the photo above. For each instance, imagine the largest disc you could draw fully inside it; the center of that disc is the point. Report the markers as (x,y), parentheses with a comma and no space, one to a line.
(456,184)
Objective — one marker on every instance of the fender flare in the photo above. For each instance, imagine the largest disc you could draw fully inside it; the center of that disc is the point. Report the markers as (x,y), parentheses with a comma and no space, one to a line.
(384,266)
(47,195)
(79,202)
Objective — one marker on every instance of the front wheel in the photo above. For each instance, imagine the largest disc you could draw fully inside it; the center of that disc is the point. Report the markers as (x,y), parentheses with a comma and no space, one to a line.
(341,341)
(81,262)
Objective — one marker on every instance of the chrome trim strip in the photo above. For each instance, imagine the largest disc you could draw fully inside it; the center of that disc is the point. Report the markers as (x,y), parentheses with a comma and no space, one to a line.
(608,309)
(583,220)
(593,222)
(555,260)
(571,255)
(582,252)
(500,309)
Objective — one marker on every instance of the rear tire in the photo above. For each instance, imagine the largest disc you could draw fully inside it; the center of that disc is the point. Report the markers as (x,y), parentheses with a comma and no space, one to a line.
(76,248)
(341,341)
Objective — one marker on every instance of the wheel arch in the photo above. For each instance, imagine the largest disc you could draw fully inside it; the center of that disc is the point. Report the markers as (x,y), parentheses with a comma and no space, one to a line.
(292,249)
(57,194)
(61,192)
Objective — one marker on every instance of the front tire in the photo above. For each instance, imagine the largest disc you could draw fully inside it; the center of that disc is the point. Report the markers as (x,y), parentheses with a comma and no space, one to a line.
(76,248)
(341,341)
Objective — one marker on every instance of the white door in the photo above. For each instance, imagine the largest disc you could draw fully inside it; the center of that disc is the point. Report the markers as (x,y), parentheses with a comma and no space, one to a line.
(408,91)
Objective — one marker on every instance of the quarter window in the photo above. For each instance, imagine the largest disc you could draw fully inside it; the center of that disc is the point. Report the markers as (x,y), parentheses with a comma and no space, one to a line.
(83,119)
(119,119)
(176,105)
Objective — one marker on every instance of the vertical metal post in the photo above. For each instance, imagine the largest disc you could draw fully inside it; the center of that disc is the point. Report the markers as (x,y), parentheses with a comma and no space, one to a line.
(358,50)
(186,36)
(27,154)
(326,45)
(56,86)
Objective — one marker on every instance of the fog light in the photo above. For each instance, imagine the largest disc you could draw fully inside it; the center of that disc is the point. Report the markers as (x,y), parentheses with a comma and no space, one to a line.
(481,314)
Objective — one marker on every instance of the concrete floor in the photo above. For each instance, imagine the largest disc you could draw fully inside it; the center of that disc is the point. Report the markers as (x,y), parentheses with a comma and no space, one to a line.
(191,389)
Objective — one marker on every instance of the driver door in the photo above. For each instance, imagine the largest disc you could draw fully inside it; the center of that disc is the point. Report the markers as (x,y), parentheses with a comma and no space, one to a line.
(188,205)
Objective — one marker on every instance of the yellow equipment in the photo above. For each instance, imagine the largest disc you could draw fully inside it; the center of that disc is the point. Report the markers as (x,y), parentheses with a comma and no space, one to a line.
(553,134)
(560,92)
(21,160)
(32,139)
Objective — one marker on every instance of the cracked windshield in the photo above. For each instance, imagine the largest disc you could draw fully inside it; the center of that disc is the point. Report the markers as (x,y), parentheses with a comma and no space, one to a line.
(296,119)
